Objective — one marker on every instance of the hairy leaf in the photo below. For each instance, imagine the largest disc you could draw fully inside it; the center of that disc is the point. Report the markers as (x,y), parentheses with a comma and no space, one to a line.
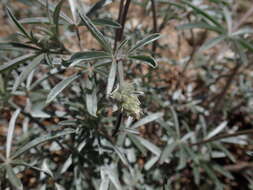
(106,22)
(27,70)
(202,25)
(147,119)
(40,140)
(15,181)
(145,59)
(111,78)
(203,13)
(212,42)
(16,22)
(59,87)
(89,55)
(147,40)
(15,62)
(96,33)
(56,16)
(10,132)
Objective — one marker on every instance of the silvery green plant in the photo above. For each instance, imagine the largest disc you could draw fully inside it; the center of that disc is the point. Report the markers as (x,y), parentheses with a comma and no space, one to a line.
(85,122)
(84,111)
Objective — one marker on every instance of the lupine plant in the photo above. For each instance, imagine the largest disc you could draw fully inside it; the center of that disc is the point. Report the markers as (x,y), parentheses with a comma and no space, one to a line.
(91,136)
(104,114)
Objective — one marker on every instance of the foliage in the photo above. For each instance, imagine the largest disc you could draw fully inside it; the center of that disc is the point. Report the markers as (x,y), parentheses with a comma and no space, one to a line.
(87,119)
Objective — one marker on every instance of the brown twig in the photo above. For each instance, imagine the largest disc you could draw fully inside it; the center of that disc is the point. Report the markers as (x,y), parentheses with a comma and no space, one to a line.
(123,10)
(155,28)
(123,19)
(121,7)
(220,96)
(239,166)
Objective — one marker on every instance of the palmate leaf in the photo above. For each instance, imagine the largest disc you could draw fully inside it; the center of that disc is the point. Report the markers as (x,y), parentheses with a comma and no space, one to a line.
(2,86)
(148,145)
(183,156)
(150,163)
(106,22)
(176,121)
(203,13)
(228,18)
(225,151)
(178,5)
(121,156)
(46,168)
(114,178)
(104,185)
(26,71)
(59,187)
(67,164)
(35,20)
(78,57)
(122,44)
(40,140)
(222,171)
(56,16)
(246,44)
(211,173)
(120,73)
(52,9)
(145,59)
(242,31)
(242,52)
(10,132)
(16,46)
(202,25)
(98,5)
(15,181)
(96,33)
(20,27)
(196,174)
(147,119)
(217,130)
(89,55)
(74,9)
(59,87)
(111,78)
(21,162)
(212,42)
(91,102)
(167,151)
(15,62)
(147,40)
(191,153)
(1,158)
(137,143)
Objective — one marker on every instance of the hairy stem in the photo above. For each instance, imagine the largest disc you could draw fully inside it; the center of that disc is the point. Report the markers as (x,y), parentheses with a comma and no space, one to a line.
(155,28)
(123,10)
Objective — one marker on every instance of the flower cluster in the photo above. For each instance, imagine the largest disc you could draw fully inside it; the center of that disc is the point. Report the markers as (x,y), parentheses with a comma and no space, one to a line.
(128,98)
